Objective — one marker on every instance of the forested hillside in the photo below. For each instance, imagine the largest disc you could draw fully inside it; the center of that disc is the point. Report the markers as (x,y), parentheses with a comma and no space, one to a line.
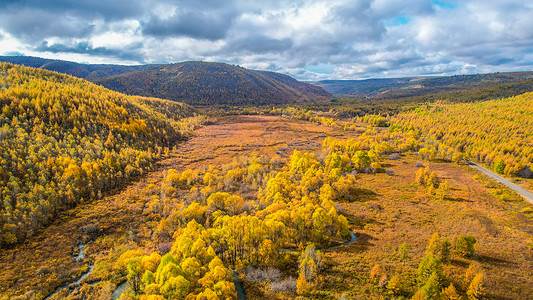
(388,88)
(195,83)
(493,132)
(85,71)
(497,133)
(202,83)
(64,140)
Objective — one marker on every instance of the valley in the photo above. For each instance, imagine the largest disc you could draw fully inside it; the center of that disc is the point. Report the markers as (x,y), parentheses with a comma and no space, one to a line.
(385,212)
(117,221)
(110,196)
(252,150)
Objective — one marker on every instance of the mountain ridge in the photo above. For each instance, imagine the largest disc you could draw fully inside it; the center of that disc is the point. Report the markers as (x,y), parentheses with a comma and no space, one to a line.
(207,83)
(193,82)
(378,88)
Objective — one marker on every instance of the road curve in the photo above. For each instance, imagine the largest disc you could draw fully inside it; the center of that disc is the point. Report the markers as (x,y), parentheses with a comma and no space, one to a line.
(527,195)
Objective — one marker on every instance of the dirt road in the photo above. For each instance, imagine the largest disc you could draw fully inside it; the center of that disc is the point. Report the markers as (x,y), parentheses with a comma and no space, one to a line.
(527,195)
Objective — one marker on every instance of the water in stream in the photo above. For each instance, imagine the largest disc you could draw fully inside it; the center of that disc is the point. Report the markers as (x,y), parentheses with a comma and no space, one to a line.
(77,282)
(122,287)
(119,290)
(353,238)
(80,252)
(239,288)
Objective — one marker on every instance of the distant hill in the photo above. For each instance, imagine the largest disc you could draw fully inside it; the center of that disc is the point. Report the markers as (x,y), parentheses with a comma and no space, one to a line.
(205,83)
(418,86)
(196,83)
(85,71)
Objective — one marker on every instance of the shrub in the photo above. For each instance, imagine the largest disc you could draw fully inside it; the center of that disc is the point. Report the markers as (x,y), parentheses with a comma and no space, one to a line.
(450,293)
(285,285)
(376,272)
(499,166)
(394,156)
(262,275)
(429,266)
(464,245)
(475,290)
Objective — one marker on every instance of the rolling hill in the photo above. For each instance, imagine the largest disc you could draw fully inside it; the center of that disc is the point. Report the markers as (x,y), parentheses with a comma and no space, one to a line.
(418,86)
(195,83)
(204,83)
(85,71)
(64,140)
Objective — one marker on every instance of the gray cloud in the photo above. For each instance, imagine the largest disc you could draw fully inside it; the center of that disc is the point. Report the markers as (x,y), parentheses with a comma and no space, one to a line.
(35,24)
(208,19)
(354,38)
(199,25)
(109,10)
(258,44)
(86,47)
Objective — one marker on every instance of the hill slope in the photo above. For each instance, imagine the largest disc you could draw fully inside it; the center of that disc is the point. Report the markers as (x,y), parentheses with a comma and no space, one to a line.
(86,71)
(202,83)
(197,83)
(417,86)
(64,140)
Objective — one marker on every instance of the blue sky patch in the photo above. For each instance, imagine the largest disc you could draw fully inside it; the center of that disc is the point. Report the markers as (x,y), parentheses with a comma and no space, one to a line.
(321,68)
(444,4)
(398,21)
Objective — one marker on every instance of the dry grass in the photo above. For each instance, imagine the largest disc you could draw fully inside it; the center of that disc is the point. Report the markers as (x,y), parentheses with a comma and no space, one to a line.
(389,210)
(235,136)
(393,210)
(120,217)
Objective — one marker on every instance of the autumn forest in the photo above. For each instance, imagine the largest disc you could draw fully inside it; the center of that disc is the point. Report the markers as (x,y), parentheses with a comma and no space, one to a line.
(211,181)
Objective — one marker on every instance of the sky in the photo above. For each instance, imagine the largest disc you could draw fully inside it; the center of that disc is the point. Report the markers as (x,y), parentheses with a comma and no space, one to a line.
(307,39)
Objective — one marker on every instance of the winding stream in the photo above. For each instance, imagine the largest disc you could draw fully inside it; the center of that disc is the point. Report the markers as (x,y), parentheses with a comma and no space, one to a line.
(353,238)
(119,290)
(239,287)
(77,282)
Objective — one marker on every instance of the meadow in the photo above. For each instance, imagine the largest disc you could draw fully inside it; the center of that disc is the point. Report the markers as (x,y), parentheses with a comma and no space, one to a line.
(393,215)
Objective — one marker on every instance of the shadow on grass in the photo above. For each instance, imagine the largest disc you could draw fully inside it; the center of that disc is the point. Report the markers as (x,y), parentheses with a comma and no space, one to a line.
(361,220)
(457,199)
(492,260)
(360,195)
(459,263)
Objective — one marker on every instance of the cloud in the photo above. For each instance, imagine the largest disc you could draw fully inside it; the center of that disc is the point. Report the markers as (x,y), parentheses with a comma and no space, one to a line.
(305,38)
(201,25)
(34,24)
(86,47)
(258,44)
(14,53)
(109,10)
(198,19)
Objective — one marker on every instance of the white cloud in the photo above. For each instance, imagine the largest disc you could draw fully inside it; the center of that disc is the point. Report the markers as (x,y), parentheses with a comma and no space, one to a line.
(357,38)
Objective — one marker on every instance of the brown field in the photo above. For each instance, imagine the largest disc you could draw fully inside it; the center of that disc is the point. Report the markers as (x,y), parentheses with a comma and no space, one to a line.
(392,210)
(388,211)
(35,268)
(235,136)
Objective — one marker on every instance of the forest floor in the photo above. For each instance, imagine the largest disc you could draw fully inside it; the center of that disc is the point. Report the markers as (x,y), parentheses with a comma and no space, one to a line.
(387,211)
(391,210)
(38,266)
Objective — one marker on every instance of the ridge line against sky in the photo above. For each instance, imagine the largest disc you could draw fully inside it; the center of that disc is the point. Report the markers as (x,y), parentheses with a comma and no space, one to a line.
(309,40)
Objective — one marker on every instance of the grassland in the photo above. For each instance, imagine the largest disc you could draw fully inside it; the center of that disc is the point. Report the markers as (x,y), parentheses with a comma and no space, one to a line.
(394,209)
(35,268)
(387,210)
